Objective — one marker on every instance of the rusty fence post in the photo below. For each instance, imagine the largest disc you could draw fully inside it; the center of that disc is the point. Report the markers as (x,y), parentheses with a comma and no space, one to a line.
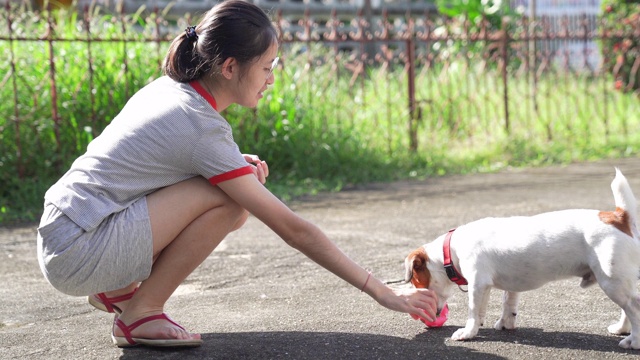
(504,43)
(334,37)
(54,93)
(366,49)
(87,26)
(125,57)
(529,29)
(359,67)
(385,57)
(605,104)
(411,88)
(14,83)
(156,35)
(306,37)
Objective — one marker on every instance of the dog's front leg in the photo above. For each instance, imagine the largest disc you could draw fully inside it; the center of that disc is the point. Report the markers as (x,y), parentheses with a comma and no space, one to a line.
(483,307)
(509,311)
(476,302)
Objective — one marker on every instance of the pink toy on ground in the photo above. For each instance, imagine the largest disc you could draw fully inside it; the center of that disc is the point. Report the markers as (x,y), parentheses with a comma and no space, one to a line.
(440,320)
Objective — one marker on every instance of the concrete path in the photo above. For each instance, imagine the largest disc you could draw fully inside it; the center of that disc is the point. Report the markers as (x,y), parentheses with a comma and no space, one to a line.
(256,298)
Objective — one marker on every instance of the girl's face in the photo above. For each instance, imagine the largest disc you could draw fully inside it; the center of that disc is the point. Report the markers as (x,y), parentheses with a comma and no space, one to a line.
(257,78)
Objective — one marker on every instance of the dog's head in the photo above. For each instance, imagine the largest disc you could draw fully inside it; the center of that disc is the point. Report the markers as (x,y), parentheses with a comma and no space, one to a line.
(424,274)
(415,267)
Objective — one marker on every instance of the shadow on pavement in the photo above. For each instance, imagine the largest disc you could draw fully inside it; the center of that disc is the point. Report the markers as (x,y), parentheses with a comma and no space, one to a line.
(315,345)
(432,344)
(539,338)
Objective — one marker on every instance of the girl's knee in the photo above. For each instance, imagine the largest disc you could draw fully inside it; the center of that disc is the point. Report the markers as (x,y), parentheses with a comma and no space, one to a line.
(236,214)
(242,219)
(233,212)
(219,200)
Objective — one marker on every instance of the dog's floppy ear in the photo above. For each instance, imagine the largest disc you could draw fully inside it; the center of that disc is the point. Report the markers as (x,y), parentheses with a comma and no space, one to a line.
(415,266)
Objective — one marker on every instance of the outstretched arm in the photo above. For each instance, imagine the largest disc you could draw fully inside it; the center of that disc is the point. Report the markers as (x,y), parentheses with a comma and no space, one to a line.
(310,240)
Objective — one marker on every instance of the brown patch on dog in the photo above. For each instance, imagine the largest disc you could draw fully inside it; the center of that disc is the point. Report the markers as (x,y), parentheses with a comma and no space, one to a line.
(421,277)
(619,219)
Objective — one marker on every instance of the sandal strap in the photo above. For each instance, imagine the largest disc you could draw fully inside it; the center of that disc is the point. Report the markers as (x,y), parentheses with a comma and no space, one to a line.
(126,329)
(109,301)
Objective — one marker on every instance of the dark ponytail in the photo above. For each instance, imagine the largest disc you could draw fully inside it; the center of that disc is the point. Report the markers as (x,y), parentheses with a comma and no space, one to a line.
(183,63)
(232,28)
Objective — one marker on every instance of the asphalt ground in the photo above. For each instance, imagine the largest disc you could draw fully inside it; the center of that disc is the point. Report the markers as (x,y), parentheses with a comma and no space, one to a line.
(256,298)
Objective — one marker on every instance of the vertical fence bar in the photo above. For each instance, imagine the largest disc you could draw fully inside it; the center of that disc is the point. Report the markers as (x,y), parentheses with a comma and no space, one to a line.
(487,42)
(429,41)
(544,61)
(307,39)
(386,57)
(584,26)
(532,58)
(157,37)
(366,49)
(14,83)
(87,25)
(530,29)
(563,50)
(584,22)
(605,64)
(333,35)
(125,58)
(362,58)
(504,43)
(54,93)
(411,87)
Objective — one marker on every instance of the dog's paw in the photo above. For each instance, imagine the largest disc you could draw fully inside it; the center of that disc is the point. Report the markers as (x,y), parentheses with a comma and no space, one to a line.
(620,328)
(629,343)
(464,334)
(505,323)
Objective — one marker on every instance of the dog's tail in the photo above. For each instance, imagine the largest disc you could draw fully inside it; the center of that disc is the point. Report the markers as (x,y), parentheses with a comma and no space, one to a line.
(625,200)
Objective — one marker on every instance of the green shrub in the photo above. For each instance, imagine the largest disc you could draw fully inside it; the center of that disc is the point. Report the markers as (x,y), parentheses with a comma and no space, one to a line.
(622,53)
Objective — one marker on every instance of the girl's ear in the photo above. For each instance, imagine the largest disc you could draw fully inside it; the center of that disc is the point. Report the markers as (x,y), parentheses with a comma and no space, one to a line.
(229,68)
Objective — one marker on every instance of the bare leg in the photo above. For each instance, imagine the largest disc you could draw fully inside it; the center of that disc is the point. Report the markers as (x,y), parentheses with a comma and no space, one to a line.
(113,298)
(188,221)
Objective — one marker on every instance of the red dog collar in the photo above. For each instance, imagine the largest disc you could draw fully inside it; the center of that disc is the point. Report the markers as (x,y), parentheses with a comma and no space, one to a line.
(452,273)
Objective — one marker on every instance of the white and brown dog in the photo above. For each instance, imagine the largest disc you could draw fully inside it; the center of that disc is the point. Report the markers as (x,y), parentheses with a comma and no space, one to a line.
(521,253)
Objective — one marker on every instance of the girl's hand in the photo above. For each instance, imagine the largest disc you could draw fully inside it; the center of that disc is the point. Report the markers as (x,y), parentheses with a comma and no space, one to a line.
(260,168)
(418,302)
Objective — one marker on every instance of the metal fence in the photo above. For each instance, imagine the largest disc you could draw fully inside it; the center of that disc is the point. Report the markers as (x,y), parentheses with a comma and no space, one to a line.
(468,79)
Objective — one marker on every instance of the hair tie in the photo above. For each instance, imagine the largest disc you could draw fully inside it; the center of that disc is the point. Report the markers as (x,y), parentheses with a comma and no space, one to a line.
(191,33)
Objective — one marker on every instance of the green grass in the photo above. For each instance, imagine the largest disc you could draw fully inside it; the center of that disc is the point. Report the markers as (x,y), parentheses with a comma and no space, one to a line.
(319,128)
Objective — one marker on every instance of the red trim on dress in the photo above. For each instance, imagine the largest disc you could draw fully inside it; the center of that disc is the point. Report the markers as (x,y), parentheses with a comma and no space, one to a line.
(215,180)
(210,99)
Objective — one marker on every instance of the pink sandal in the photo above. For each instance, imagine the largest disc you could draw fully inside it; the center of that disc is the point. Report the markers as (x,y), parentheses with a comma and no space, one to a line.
(102,302)
(127,340)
